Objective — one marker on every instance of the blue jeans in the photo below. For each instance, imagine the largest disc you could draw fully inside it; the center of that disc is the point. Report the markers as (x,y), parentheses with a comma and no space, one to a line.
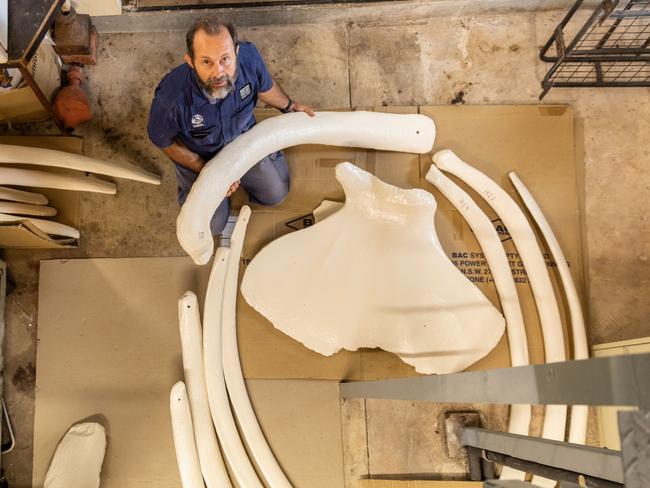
(266,183)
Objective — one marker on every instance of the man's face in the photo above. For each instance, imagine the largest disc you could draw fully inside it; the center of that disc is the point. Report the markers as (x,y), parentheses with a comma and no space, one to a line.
(215,62)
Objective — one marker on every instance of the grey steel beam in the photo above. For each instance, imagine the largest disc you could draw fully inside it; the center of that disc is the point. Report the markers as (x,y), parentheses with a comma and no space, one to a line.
(635,447)
(592,462)
(617,380)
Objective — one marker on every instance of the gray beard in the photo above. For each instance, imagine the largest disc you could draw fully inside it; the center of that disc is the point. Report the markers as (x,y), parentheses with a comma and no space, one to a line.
(214,94)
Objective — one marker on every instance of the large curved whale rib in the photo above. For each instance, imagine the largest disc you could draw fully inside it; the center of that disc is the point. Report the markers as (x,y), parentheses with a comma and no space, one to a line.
(183,431)
(374,130)
(59,181)
(579,413)
(490,243)
(212,465)
(250,427)
(22,196)
(47,226)
(14,208)
(224,422)
(59,159)
(531,255)
(374,274)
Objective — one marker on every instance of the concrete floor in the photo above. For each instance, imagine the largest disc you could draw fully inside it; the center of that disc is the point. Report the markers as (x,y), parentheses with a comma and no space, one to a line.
(381,57)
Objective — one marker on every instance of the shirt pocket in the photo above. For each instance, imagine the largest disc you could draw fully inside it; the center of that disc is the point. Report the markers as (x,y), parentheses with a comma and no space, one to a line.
(201,133)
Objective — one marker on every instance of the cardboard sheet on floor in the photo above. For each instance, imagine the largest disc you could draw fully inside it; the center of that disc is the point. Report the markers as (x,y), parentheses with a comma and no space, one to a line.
(109,350)
(66,202)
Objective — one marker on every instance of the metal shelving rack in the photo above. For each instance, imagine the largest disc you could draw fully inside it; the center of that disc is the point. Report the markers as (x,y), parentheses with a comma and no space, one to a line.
(611,49)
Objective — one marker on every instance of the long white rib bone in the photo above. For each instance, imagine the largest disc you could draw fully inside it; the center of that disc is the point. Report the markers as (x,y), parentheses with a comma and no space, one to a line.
(14,208)
(224,422)
(60,159)
(531,255)
(212,465)
(22,196)
(47,226)
(391,132)
(59,181)
(252,433)
(579,413)
(186,455)
(490,243)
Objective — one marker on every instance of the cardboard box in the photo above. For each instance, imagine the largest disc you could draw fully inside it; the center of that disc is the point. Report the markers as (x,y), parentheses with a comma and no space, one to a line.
(67,203)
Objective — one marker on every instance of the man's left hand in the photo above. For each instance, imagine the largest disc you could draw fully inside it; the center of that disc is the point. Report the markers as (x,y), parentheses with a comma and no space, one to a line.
(299,107)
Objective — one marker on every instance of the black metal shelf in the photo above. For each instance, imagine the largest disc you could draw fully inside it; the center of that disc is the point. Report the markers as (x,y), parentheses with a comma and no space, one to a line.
(611,49)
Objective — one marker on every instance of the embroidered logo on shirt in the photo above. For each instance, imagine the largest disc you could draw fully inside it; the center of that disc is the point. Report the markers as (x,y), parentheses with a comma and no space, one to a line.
(246,91)
(197,120)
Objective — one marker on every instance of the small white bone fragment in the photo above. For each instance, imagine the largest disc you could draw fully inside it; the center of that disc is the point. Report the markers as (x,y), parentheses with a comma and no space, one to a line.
(495,255)
(47,226)
(78,458)
(14,208)
(250,427)
(186,456)
(231,444)
(212,465)
(59,181)
(391,132)
(579,413)
(60,159)
(374,274)
(22,196)
(531,255)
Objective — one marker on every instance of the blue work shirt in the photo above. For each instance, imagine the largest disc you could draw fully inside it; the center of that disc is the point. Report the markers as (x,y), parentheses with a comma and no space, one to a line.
(180,110)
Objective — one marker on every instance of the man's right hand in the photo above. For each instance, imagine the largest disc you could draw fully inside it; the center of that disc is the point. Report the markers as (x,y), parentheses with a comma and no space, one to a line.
(232,189)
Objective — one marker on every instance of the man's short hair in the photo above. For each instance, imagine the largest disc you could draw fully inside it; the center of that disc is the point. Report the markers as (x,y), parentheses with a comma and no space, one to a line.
(211,25)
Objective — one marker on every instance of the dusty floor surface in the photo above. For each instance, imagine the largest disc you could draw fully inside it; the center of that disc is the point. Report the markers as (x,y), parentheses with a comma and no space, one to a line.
(491,59)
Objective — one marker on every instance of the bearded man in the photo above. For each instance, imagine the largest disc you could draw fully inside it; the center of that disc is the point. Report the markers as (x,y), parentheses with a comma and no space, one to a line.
(205,103)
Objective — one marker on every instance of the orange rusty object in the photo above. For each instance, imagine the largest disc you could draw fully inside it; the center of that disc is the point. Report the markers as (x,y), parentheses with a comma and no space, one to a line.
(71,104)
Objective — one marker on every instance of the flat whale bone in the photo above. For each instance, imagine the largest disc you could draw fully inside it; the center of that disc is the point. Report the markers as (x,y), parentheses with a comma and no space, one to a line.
(17,208)
(47,226)
(13,154)
(374,274)
(14,195)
